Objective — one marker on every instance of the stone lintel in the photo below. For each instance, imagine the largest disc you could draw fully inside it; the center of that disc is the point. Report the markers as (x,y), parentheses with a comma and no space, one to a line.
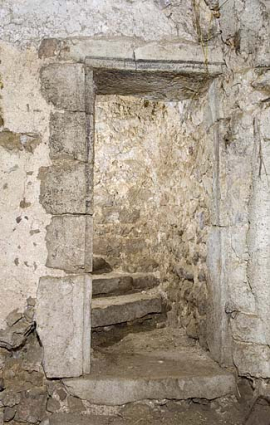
(78,49)
(171,80)
(155,65)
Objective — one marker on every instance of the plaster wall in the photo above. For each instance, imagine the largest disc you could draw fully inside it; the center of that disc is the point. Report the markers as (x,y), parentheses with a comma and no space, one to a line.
(28,22)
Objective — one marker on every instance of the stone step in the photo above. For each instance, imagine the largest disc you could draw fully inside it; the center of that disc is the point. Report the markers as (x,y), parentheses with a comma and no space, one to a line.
(146,367)
(122,283)
(124,308)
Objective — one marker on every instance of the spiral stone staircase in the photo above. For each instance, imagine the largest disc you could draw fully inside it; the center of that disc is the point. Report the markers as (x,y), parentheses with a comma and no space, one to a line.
(135,356)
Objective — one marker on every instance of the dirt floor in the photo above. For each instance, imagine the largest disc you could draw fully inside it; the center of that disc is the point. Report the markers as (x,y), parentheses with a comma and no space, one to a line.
(222,412)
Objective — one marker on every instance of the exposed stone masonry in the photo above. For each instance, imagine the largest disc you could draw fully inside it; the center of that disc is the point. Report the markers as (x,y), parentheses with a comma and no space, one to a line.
(44,125)
(26,395)
(153,168)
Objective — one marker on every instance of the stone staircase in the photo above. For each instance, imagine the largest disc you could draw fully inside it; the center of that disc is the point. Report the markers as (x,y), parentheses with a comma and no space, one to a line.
(121,297)
(141,363)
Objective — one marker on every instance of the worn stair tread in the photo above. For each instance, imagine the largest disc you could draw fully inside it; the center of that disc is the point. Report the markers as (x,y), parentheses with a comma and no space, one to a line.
(111,283)
(121,283)
(124,308)
(178,372)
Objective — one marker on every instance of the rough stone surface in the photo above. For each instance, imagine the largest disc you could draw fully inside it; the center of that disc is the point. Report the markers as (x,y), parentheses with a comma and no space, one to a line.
(100,266)
(111,283)
(68,136)
(60,301)
(123,308)
(66,242)
(32,405)
(63,188)
(152,196)
(63,85)
(25,393)
(9,413)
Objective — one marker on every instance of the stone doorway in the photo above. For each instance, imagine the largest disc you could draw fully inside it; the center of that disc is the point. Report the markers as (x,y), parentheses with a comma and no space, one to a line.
(67,188)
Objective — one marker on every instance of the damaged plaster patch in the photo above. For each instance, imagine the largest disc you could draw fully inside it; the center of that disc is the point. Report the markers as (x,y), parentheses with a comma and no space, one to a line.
(18,142)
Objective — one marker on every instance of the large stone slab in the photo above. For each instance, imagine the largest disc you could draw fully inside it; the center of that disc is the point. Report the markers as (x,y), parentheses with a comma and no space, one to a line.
(62,316)
(68,136)
(64,86)
(66,242)
(160,364)
(63,188)
(124,308)
(191,56)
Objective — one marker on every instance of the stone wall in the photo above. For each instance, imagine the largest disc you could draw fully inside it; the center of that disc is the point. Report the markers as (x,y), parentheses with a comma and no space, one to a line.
(25,115)
(236,122)
(153,184)
(238,243)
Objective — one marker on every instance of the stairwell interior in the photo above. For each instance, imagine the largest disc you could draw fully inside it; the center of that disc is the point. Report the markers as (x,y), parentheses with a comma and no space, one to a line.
(152,196)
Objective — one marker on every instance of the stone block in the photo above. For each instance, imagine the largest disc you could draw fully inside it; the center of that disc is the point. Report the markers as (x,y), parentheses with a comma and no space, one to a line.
(248,328)
(246,357)
(9,413)
(64,86)
(63,188)
(53,405)
(66,242)
(32,407)
(80,48)
(262,83)
(63,324)
(68,136)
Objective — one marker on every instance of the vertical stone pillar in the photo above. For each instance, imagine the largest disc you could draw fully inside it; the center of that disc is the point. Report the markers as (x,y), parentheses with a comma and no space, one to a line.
(218,250)
(66,192)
